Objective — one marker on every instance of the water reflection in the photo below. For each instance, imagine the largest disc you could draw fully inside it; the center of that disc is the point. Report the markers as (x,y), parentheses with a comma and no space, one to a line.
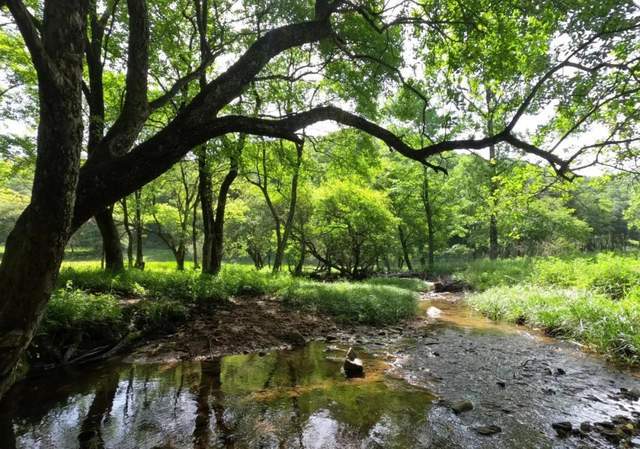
(286,399)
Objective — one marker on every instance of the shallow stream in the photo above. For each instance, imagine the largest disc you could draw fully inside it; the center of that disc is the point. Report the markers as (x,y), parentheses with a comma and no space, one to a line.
(516,380)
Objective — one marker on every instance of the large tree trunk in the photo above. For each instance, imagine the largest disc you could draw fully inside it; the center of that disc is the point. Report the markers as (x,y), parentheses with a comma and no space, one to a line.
(35,246)
(112,248)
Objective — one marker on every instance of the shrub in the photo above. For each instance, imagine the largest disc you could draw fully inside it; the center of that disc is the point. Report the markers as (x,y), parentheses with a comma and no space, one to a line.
(158,316)
(74,315)
(353,302)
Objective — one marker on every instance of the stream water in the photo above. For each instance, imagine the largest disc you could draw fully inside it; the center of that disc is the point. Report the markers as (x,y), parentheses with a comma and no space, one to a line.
(515,380)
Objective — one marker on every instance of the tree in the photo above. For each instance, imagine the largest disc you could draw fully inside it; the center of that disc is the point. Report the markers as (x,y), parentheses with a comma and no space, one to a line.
(174,200)
(261,171)
(350,40)
(352,227)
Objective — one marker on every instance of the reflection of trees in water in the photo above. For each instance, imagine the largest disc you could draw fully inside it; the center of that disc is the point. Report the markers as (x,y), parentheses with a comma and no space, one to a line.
(91,428)
(7,435)
(210,402)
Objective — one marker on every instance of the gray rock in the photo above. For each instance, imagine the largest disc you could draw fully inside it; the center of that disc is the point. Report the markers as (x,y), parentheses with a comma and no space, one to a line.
(353,368)
(461,406)
(562,428)
(488,430)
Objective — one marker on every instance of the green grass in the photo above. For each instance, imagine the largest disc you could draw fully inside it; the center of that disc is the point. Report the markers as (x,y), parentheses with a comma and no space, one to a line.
(364,303)
(484,273)
(605,325)
(169,295)
(615,276)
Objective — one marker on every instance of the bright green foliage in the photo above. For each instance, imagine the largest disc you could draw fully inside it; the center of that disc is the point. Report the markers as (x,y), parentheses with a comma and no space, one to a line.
(73,309)
(610,327)
(352,225)
(158,317)
(353,302)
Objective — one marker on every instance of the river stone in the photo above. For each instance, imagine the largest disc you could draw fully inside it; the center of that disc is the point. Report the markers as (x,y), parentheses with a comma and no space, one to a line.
(563,428)
(353,368)
(488,430)
(294,338)
(461,406)
(586,426)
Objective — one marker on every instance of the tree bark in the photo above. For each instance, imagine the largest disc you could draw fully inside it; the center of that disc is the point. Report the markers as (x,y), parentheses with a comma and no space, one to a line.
(126,221)
(428,209)
(205,189)
(405,247)
(139,231)
(35,247)
(112,248)
(493,219)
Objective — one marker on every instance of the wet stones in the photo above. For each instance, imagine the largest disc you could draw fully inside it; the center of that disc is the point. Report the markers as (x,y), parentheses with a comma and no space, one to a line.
(449,285)
(352,365)
(294,338)
(632,394)
(488,430)
(461,407)
(563,428)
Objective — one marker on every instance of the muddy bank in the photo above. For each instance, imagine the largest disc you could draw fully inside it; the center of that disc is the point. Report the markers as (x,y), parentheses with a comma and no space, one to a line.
(256,324)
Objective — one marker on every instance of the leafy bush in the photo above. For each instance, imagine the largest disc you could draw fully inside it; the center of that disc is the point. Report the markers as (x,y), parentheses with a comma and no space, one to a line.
(608,326)
(76,315)
(353,302)
(158,316)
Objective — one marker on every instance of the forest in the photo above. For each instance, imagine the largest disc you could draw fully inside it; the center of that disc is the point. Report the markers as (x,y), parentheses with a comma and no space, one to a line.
(319,224)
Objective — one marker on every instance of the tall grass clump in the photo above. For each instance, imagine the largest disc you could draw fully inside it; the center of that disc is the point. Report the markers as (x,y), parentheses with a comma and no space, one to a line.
(413,284)
(185,286)
(603,324)
(353,302)
(485,273)
(614,276)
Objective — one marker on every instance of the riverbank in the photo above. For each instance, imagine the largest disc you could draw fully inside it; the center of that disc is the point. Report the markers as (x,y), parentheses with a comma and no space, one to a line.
(594,301)
(95,315)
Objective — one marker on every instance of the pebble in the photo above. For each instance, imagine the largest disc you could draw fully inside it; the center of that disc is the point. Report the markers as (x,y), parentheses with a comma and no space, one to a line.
(488,430)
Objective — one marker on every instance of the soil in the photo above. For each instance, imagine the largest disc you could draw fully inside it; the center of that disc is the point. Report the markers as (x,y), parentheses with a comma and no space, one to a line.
(251,324)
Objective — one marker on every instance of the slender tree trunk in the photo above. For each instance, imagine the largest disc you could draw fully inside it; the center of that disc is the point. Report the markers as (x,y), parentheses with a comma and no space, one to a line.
(179,254)
(139,264)
(428,210)
(405,248)
(494,247)
(35,247)
(205,186)
(493,219)
(217,248)
(194,235)
(288,224)
(127,227)
(303,254)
